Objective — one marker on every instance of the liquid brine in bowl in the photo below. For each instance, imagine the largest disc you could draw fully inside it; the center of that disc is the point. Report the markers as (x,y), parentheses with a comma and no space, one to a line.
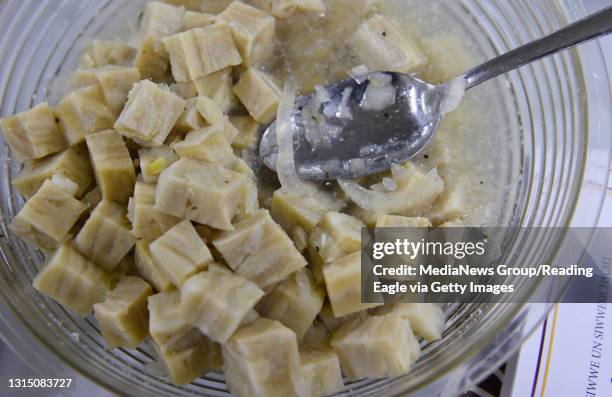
(525,145)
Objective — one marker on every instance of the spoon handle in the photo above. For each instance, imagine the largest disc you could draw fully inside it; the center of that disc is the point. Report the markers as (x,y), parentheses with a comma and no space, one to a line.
(585,29)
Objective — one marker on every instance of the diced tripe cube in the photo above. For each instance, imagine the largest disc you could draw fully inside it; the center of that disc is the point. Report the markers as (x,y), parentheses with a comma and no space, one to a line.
(380,45)
(295,302)
(112,165)
(259,94)
(190,119)
(149,114)
(187,365)
(159,20)
(262,359)
(218,87)
(322,249)
(201,51)
(217,302)
(321,372)
(82,112)
(344,229)
(180,253)
(72,163)
(123,316)
(115,82)
(204,193)
(377,347)
(210,110)
(105,238)
(253,31)
(147,222)
(343,283)
(148,269)
(72,280)
(47,217)
(34,133)
(291,209)
(426,319)
(259,249)
(167,326)
(207,144)
(248,132)
(212,113)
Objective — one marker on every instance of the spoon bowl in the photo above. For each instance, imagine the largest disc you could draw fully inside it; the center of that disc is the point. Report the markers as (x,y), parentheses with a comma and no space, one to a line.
(360,125)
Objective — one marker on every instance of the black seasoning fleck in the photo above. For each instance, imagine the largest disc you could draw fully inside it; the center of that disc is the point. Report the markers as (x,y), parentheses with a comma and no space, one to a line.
(426,156)
(481,182)
(317,248)
(56,120)
(384,34)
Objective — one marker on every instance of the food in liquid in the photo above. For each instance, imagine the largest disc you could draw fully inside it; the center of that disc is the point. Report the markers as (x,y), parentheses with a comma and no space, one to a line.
(141,188)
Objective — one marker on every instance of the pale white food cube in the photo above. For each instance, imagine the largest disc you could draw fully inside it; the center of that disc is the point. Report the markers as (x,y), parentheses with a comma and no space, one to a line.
(377,347)
(34,133)
(217,302)
(202,192)
(201,51)
(259,94)
(253,31)
(380,45)
(149,114)
(259,249)
(180,253)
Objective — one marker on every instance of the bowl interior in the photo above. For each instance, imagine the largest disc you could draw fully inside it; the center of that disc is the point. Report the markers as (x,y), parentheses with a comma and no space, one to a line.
(540,110)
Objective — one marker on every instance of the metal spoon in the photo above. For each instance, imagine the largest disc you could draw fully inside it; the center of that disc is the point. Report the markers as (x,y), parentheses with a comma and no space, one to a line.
(364,124)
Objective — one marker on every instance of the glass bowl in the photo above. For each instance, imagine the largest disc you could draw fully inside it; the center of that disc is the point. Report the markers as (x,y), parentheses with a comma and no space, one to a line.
(556,114)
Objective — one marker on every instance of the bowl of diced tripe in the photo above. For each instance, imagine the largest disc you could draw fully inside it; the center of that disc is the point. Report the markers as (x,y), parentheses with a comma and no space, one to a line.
(142,186)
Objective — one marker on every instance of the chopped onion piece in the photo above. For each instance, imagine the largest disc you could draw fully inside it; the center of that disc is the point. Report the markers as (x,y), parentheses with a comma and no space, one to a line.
(412,196)
(380,93)
(344,111)
(285,165)
(456,90)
